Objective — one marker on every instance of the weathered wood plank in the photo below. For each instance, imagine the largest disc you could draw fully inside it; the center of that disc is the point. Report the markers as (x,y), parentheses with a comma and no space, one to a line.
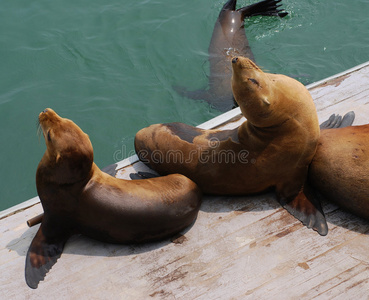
(345,93)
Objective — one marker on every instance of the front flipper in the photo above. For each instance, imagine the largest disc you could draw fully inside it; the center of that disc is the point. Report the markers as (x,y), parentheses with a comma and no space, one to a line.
(41,256)
(306,208)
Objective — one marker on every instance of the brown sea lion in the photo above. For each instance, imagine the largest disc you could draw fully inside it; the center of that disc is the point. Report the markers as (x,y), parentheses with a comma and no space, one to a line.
(79,198)
(229,40)
(272,149)
(340,168)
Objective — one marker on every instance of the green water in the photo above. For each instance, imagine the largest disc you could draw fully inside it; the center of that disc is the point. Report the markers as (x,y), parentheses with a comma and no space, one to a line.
(110,67)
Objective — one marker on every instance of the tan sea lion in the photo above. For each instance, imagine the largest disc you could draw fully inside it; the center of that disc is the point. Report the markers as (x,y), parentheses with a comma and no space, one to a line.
(272,149)
(229,40)
(340,168)
(79,198)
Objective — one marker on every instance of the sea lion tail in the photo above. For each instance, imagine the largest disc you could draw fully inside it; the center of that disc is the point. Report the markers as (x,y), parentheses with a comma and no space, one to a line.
(263,8)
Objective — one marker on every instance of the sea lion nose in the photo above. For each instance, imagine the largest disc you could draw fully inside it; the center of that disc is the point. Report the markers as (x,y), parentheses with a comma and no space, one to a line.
(45,110)
(234,60)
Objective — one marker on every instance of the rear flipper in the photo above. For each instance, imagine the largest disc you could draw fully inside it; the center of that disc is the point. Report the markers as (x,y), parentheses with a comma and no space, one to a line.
(196,95)
(306,208)
(336,121)
(142,175)
(263,8)
(206,95)
(41,256)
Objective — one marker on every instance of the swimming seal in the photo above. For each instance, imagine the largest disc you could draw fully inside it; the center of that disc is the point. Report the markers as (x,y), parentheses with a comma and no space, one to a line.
(339,170)
(229,40)
(272,149)
(77,197)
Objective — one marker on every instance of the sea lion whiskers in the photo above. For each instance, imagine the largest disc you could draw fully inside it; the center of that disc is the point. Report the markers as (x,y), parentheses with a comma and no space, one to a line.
(39,129)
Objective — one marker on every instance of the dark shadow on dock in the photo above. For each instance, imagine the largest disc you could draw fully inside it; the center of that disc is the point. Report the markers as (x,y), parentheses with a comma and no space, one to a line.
(222,204)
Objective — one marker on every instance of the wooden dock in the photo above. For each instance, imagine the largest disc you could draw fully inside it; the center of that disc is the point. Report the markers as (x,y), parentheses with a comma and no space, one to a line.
(239,247)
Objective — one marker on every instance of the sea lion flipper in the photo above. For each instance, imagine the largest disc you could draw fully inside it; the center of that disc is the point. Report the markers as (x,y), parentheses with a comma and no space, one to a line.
(41,256)
(306,208)
(263,8)
(200,94)
(218,103)
(230,4)
(348,119)
(327,124)
(337,121)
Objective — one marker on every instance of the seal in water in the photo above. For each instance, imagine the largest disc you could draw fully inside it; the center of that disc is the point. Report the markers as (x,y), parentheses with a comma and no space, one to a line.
(79,198)
(272,149)
(229,40)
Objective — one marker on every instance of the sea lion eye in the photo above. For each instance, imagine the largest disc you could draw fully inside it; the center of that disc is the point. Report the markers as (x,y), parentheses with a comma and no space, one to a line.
(48,136)
(254,81)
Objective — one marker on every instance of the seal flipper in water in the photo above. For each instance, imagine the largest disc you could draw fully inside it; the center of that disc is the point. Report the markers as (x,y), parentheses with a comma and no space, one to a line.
(41,256)
(262,8)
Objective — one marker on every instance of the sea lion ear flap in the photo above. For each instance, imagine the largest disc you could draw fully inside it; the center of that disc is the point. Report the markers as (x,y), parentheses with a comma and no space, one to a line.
(41,256)
(58,157)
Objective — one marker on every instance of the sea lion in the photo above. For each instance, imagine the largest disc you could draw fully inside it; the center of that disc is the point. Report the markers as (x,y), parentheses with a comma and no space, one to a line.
(229,40)
(77,197)
(339,170)
(272,149)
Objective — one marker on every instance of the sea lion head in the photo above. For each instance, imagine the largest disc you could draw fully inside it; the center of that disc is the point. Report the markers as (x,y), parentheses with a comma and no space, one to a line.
(265,99)
(69,154)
